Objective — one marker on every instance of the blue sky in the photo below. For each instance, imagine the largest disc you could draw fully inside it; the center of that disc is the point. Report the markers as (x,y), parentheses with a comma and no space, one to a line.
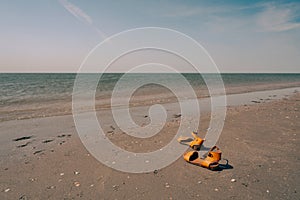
(56,35)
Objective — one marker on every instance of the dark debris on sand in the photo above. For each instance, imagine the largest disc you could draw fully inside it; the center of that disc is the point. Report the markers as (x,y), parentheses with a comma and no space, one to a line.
(177,115)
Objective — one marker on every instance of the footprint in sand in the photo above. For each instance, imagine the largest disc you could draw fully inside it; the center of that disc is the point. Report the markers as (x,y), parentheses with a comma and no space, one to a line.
(47,141)
(39,151)
(23,145)
(64,135)
(23,138)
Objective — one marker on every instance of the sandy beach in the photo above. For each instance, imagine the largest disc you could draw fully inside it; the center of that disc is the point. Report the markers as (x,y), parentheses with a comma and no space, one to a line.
(43,158)
(150,100)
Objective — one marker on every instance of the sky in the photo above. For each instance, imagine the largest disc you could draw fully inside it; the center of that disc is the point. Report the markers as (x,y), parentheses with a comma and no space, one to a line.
(240,36)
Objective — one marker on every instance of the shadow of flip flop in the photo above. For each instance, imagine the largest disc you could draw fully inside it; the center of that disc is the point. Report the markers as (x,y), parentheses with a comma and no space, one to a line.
(224,166)
(203,148)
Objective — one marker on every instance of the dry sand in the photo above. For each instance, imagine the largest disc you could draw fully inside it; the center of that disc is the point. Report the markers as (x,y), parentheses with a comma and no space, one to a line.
(260,139)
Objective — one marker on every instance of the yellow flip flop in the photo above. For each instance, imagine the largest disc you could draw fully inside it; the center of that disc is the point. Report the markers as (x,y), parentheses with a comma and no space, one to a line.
(193,143)
(211,161)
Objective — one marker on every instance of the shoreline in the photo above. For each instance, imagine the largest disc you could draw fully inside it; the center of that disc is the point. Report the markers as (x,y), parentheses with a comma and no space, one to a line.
(64,107)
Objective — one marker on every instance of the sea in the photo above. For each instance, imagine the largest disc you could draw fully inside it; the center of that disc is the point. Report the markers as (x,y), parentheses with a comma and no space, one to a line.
(25,92)
(22,88)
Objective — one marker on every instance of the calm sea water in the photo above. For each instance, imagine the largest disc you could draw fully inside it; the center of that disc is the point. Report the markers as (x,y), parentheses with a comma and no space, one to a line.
(23,87)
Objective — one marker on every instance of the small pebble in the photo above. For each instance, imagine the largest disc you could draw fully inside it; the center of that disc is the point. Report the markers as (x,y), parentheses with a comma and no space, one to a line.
(7,190)
(233,180)
(199,182)
(167,185)
(216,189)
(77,184)
(268,191)
(61,174)
(76,173)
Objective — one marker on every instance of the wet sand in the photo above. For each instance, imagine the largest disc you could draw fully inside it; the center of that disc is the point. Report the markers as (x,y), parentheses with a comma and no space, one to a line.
(43,158)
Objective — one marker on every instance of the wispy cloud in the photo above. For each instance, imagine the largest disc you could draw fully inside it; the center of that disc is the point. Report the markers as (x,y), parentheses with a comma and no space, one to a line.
(182,10)
(279,17)
(262,17)
(80,15)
